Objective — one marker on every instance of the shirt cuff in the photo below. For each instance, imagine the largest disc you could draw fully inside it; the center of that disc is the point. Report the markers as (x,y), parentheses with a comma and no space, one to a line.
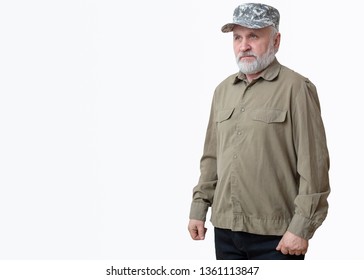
(198,211)
(302,227)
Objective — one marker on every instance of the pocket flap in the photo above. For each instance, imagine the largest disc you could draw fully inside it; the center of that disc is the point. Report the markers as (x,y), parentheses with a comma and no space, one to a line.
(224,115)
(269,115)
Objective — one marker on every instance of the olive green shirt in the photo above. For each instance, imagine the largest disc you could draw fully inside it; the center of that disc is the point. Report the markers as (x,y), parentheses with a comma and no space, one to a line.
(265,163)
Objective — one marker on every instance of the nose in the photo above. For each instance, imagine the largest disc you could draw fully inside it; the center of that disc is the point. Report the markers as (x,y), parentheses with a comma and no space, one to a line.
(244,46)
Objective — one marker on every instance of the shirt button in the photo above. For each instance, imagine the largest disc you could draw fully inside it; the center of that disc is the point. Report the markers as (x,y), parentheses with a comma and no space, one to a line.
(243,109)
(235,156)
(239,132)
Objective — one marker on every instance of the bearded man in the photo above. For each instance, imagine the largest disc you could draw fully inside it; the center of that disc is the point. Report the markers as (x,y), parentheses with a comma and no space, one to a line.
(265,163)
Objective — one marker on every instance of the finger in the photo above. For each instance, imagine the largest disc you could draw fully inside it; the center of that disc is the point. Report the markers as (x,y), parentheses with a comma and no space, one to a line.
(298,253)
(284,251)
(201,232)
(194,234)
(197,232)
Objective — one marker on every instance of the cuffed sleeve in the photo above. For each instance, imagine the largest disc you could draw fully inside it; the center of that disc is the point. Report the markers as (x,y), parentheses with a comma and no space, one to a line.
(199,210)
(311,205)
(203,193)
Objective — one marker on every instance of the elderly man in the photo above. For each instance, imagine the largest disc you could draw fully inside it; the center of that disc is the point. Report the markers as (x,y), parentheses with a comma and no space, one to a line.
(265,164)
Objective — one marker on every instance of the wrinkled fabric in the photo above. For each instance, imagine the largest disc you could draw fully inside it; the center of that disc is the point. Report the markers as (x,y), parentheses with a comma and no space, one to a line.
(265,164)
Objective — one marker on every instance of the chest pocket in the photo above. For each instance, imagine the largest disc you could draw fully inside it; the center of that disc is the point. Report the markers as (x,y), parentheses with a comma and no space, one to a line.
(224,115)
(269,115)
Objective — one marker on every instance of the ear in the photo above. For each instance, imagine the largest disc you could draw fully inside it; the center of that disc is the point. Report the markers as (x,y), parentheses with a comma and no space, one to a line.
(277,41)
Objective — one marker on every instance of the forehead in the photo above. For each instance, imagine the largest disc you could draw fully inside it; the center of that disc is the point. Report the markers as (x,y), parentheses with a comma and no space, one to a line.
(245,30)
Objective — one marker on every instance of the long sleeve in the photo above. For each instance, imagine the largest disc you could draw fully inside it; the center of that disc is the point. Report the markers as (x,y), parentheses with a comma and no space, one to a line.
(311,203)
(203,193)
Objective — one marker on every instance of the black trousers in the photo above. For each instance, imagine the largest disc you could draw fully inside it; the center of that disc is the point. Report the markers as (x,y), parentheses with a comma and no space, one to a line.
(238,245)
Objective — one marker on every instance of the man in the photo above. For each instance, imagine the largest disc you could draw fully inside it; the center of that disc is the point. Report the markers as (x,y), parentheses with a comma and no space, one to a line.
(264,169)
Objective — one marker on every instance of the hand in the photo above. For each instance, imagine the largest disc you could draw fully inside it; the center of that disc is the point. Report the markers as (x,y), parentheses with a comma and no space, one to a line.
(197,229)
(292,244)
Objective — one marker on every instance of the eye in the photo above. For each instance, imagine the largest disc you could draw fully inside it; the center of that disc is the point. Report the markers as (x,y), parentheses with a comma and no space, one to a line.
(236,37)
(253,36)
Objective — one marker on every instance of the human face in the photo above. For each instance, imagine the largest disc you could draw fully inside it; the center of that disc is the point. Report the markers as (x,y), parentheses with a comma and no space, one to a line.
(254,49)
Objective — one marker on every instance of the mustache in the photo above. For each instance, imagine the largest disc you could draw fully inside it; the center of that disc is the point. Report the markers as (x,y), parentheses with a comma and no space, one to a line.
(244,54)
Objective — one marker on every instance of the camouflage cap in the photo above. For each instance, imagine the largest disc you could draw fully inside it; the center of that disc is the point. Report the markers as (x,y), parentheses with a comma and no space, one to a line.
(253,15)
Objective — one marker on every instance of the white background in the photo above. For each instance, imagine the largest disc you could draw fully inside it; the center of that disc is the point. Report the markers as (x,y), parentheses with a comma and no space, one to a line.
(103,111)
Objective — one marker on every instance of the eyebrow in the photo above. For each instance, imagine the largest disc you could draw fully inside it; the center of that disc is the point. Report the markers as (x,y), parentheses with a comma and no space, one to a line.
(249,34)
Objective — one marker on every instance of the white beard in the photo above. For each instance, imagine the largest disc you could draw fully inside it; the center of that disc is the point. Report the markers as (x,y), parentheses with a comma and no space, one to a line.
(259,64)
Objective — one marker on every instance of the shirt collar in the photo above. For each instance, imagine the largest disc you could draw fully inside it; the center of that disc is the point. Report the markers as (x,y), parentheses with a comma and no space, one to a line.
(269,73)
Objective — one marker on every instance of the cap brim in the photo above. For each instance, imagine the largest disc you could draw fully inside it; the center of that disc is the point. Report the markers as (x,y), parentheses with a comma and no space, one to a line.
(230,26)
